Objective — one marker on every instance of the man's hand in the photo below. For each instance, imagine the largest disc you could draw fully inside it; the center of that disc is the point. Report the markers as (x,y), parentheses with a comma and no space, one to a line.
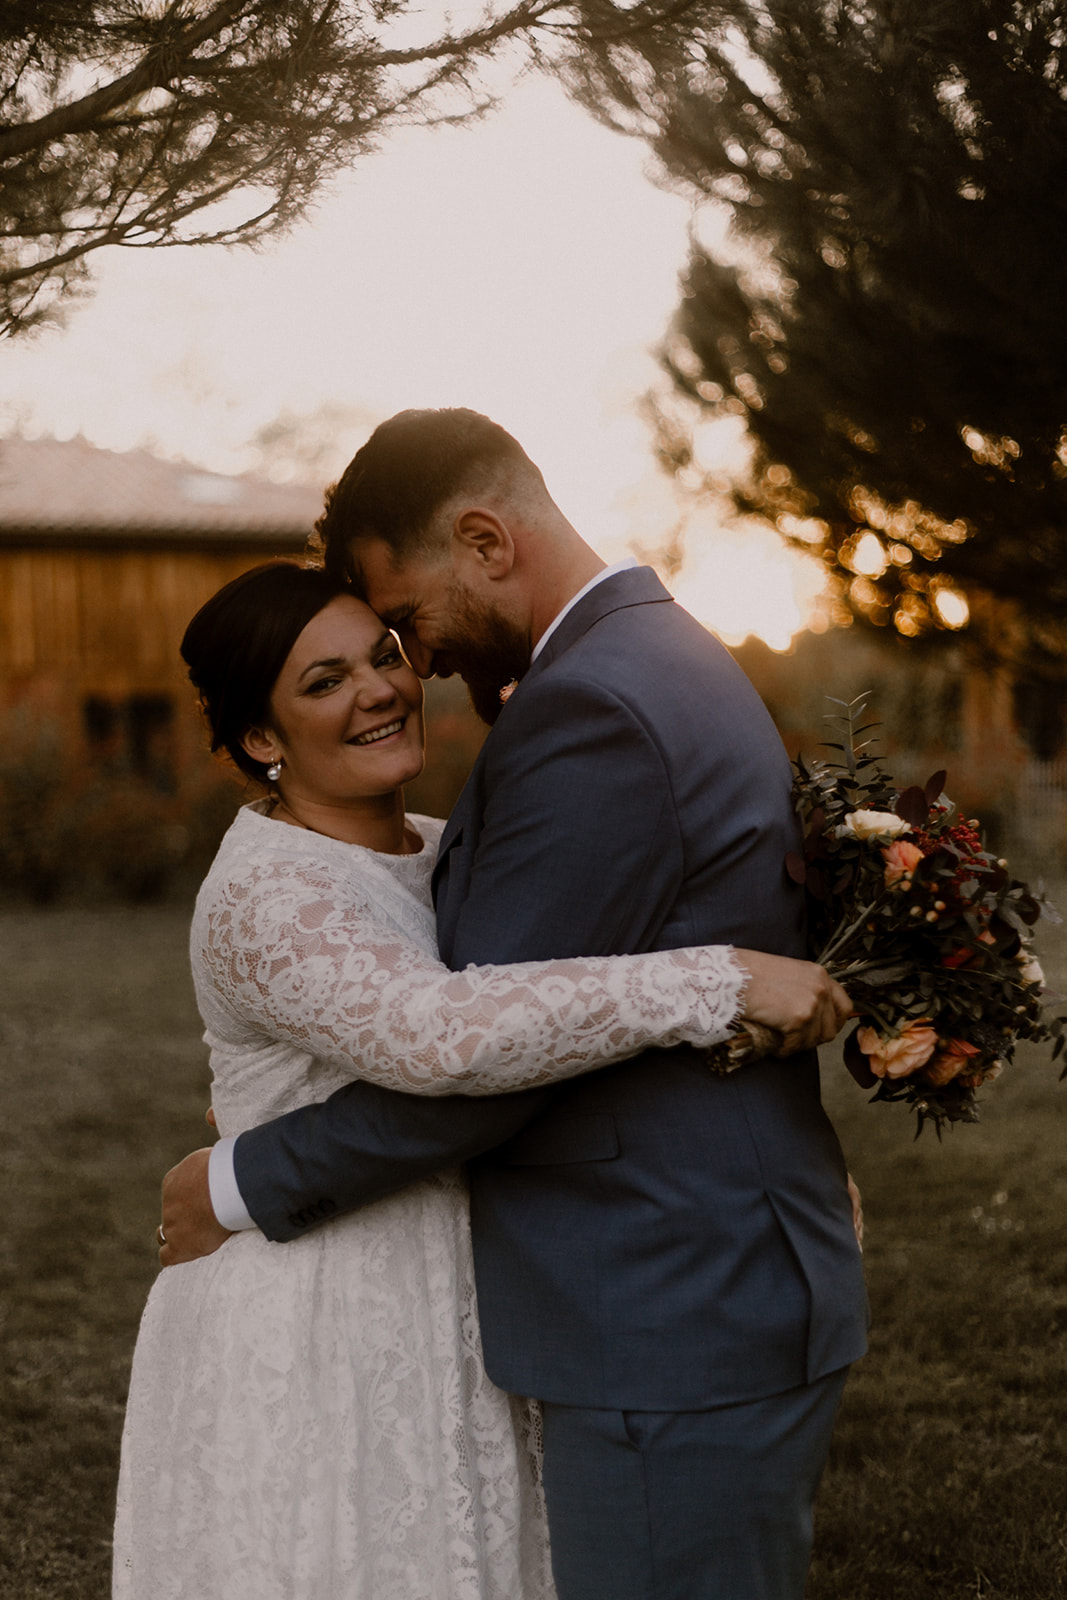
(797,999)
(190,1228)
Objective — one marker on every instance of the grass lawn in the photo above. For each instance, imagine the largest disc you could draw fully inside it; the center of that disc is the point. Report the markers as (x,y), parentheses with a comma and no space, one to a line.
(948,1476)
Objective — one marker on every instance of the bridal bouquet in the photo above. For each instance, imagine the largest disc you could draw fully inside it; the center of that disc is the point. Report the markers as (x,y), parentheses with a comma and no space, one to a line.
(929,933)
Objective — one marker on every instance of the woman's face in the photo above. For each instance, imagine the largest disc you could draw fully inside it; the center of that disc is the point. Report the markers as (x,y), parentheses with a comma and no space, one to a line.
(346,711)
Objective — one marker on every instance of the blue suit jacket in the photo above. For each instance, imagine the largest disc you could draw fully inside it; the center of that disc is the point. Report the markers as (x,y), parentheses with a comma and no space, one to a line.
(648,1237)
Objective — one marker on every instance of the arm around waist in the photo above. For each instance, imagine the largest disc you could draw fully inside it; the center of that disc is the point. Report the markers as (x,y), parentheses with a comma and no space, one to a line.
(364,1143)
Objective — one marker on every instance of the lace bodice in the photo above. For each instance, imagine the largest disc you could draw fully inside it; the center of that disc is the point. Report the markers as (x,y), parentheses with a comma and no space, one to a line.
(315,960)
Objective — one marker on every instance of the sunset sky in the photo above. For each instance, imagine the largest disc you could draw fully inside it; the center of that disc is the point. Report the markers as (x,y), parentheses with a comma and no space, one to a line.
(525,266)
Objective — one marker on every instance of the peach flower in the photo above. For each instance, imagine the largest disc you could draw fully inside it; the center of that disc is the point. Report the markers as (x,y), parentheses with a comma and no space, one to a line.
(901,859)
(954,1056)
(897,1058)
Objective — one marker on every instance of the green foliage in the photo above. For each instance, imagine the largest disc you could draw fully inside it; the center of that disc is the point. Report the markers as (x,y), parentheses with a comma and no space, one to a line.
(888,317)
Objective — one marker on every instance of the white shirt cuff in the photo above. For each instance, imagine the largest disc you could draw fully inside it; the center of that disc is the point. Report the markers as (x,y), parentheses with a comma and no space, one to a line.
(226,1200)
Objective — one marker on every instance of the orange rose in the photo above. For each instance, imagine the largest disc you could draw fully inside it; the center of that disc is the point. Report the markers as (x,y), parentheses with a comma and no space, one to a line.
(901,859)
(899,1057)
(954,1057)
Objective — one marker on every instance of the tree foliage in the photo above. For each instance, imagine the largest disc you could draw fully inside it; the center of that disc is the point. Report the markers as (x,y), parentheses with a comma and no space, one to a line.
(160,122)
(888,315)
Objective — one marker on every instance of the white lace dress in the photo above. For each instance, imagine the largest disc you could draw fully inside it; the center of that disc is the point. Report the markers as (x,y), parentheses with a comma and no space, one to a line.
(312,1421)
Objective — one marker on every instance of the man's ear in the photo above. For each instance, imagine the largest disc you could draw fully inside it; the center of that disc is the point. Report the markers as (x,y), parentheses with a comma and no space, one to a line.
(260,744)
(480,539)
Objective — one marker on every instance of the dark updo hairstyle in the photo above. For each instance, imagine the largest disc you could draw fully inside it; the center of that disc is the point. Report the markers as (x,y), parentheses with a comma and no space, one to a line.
(238,642)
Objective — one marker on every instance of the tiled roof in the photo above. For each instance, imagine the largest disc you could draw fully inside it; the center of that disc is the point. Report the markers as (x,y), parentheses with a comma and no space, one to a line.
(68,489)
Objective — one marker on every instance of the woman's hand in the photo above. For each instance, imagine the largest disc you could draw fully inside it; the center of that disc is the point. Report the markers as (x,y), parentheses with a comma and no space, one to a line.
(797,1000)
(857,1210)
(189,1228)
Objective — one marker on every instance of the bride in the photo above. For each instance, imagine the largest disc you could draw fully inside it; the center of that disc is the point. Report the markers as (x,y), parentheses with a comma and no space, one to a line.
(312,1421)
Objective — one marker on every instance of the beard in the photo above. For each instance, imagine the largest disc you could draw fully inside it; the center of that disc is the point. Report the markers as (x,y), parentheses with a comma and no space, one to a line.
(488,650)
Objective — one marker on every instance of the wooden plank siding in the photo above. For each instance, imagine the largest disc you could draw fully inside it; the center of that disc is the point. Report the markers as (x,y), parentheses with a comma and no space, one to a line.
(78,624)
(107,620)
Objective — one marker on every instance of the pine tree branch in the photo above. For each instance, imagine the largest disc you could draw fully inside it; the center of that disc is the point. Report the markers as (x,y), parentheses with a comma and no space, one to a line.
(155,70)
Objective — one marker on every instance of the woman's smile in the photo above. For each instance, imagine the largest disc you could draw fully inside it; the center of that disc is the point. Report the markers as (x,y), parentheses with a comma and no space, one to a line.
(376,735)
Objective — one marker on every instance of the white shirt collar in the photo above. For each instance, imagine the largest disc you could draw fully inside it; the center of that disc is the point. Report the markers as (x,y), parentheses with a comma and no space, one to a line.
(608,572)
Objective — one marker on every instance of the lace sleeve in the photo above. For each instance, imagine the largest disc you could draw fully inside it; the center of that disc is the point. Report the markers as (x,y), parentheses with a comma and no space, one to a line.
(301,958)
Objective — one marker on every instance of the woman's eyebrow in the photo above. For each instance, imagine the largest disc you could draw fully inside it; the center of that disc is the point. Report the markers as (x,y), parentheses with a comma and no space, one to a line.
(386,637)
(327,661)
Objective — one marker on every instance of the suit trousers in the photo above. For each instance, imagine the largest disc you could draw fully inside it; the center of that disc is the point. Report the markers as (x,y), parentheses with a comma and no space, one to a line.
(690,1505)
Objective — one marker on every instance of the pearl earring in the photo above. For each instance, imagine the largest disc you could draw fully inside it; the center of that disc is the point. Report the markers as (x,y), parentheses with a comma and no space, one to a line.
(274,771)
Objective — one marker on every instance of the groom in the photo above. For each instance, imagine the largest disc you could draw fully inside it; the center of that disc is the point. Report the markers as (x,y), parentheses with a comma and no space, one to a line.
(665,1258)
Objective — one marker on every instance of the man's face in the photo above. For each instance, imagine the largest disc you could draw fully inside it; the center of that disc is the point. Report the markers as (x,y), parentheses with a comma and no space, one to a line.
(443,627)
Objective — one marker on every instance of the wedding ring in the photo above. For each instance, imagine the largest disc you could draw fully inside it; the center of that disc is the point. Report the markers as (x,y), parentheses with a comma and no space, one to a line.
(161,1237)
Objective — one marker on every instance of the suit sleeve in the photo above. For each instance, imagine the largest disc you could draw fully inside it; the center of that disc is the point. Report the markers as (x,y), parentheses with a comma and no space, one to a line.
(361,1144)
(579,851)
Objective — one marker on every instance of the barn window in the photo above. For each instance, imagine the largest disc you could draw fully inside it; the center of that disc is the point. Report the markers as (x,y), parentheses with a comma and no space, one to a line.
(132,734)
(101,724)
(149,719)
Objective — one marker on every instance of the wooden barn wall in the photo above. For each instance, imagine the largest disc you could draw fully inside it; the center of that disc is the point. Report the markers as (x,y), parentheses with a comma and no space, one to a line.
(106,620)
(82,623)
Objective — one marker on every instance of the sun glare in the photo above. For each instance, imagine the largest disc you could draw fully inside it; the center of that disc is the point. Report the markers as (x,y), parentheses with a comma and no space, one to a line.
(952,608)
(741,581)
(869,557)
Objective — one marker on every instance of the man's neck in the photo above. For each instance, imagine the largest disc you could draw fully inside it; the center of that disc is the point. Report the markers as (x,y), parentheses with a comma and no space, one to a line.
(579,594)
(550,599)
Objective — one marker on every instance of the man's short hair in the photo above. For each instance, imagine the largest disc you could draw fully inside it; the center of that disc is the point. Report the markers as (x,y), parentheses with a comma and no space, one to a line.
(409,468)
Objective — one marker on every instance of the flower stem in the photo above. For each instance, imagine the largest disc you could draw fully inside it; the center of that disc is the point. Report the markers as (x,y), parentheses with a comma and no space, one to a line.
(889,1029)
(841,939)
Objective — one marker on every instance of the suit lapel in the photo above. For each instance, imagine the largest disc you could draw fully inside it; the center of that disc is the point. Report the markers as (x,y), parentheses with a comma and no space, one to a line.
(636,586)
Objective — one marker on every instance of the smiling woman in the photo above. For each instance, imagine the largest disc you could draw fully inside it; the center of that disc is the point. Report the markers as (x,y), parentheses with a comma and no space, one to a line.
(344,729)
(308,692)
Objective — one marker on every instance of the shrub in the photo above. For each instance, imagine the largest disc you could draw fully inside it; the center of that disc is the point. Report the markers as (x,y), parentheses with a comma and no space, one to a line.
(68,831)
